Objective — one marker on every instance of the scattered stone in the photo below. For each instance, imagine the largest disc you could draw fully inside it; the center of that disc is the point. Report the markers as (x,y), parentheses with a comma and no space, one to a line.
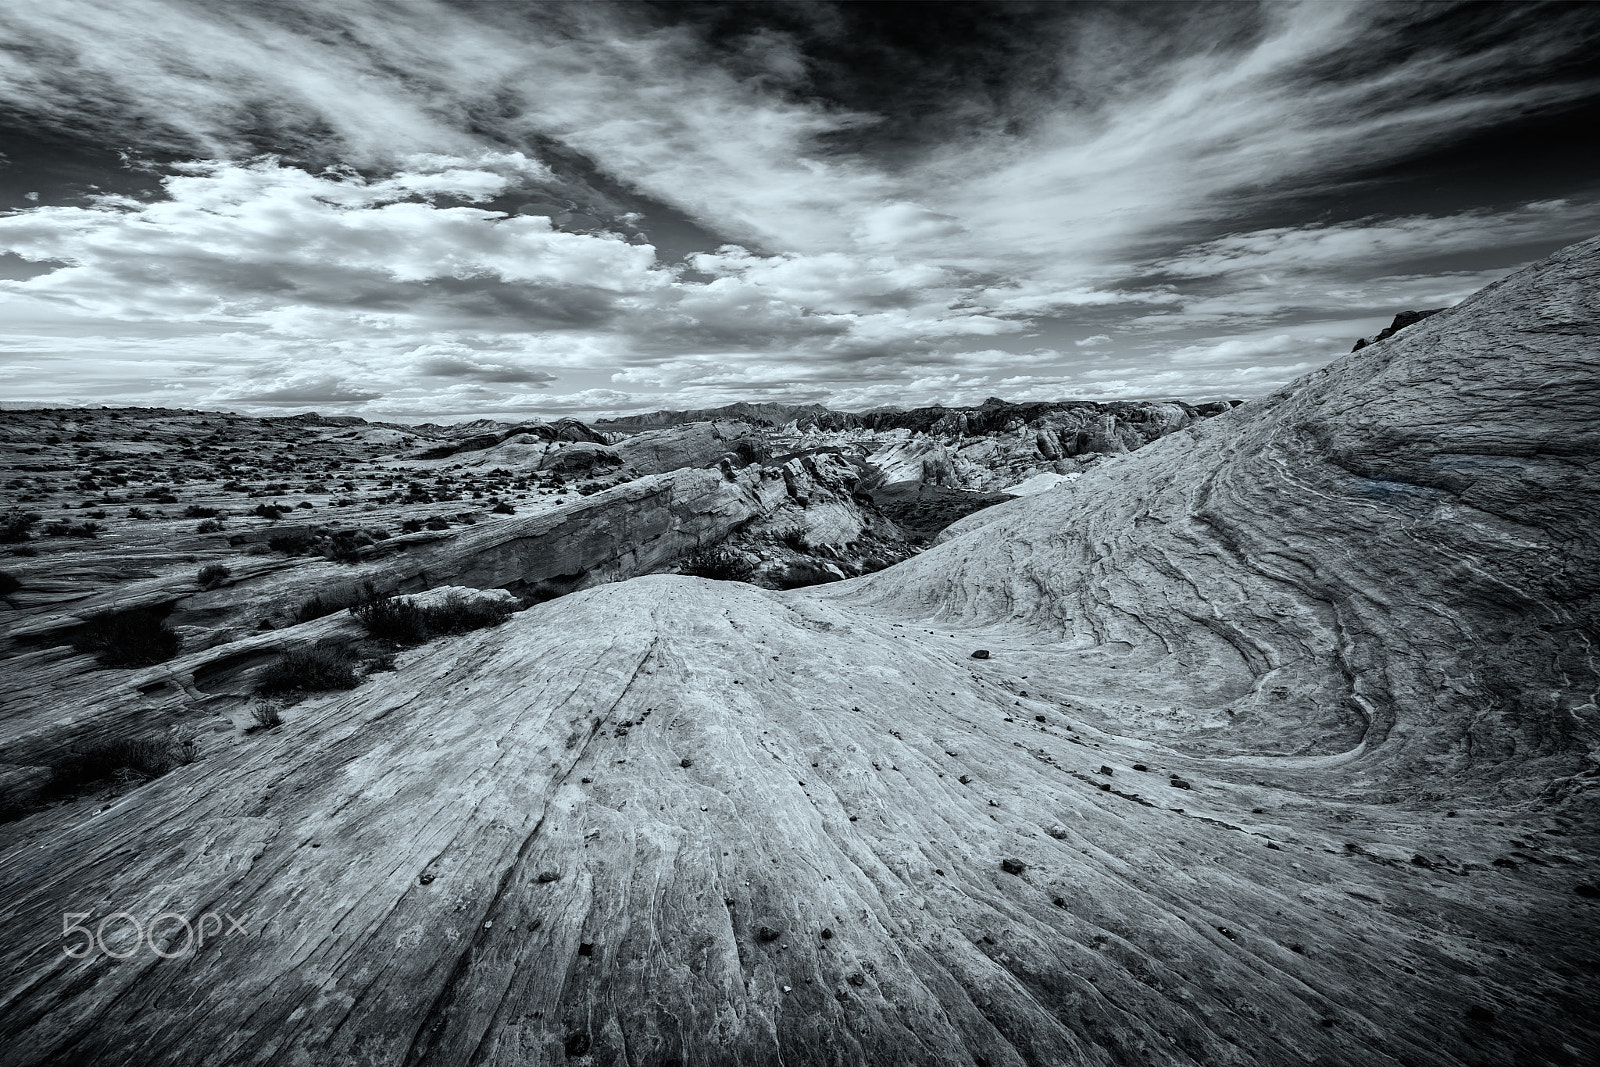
(549,876)
(1013,866)
(982,653)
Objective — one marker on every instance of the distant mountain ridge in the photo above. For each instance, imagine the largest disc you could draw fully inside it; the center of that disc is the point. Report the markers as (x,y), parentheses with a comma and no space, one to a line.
(987,417)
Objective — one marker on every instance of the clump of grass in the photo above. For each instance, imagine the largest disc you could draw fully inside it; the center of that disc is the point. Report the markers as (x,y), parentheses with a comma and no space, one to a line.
(213,575)
(268,715)
(122,760)
(82,529)
(195,511)
(406,622)
(309,670)
(16,526)
(209,526)
(458,614)
(796,539)
(131,639)
(393,619)
(315,608)
(717,563)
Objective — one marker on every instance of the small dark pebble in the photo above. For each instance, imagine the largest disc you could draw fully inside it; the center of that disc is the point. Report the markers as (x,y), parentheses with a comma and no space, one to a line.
(1179,783)
(1449,814)
(827,934)
(576,1044)
(1227,933)
(425,879)
(549,876)
(857,979)
(1140,767)
(965,779)
(1059,902)
(1274,848)
(1329,1022)
(1013,866)
(1258,811)
(982,653)
(1104,769)
(938,870)
(1104,786)
(586,949)
(1298,948)
(586,781)
(686,762)
(767,933)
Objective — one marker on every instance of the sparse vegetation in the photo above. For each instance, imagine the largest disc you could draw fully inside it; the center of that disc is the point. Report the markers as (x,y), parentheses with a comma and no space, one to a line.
(16,526)
(195,511)
(268,715)
(404,621)
(123,761)
(209,526)
(132,639)
(717,563)
(213,575)
(309,670)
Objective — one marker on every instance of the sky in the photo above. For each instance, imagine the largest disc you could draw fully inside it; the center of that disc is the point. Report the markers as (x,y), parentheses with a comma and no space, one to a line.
(439,211)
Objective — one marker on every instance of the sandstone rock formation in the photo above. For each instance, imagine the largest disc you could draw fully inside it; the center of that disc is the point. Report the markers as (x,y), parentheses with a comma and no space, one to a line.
(1283,753)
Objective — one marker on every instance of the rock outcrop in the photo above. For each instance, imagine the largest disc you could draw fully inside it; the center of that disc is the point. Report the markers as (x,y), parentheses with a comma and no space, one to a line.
(675,820)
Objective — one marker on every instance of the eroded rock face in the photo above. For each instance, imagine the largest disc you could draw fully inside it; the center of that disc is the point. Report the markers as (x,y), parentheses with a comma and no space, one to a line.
(672,819)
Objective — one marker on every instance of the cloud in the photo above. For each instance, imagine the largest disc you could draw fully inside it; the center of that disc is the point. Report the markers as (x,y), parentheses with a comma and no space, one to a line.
(406,243)
(313,389)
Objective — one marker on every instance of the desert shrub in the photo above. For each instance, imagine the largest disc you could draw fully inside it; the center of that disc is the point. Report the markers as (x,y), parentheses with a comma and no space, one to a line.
(436,523)
(502,508)
(411,526)
(24,550)
(9,583)
(209,526)
(137,513)
(795,538)
(195,511)
(717,563)
(393,619)
(267,715)
(292,544)
(162,498)
(82,529)
(131,639)
(16,526)
(315,608)
(213,575)
(406,622)
(458,614)
(98,513)
(258,549)
(305,504)
(269,511)
(308,669)
(122,759)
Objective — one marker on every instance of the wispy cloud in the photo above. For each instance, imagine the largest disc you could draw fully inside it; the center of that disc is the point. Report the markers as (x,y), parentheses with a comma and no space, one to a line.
(1124,203)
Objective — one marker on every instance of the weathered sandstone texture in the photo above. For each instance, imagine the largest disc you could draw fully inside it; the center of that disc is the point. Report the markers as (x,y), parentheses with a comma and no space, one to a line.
(1282,752)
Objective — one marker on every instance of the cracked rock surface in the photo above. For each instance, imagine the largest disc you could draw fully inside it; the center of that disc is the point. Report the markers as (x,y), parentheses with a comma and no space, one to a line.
(1335,650)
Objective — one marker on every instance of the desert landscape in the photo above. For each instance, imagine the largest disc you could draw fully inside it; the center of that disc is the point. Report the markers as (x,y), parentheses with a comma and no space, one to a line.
(807,533)
(1266,737)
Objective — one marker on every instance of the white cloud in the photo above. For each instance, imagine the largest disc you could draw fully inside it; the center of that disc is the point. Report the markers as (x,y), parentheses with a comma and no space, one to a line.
(1095,341)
